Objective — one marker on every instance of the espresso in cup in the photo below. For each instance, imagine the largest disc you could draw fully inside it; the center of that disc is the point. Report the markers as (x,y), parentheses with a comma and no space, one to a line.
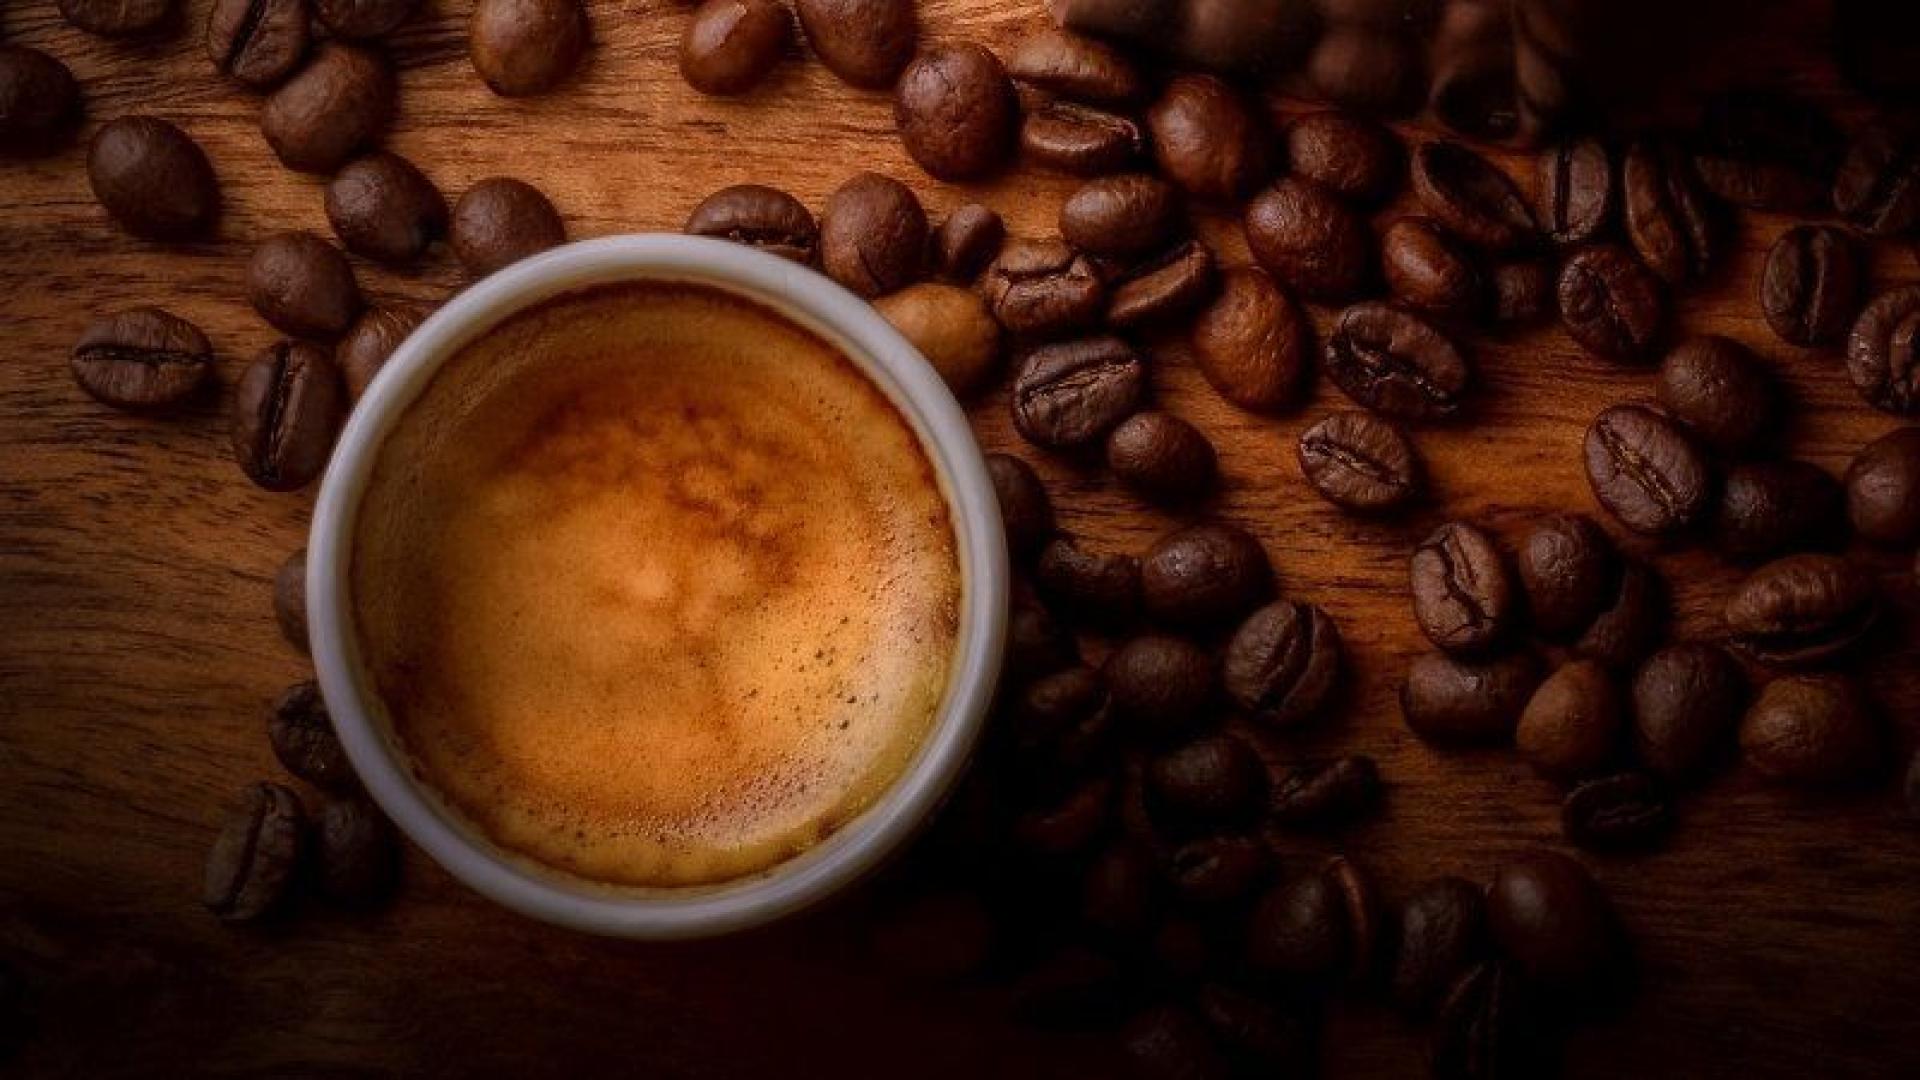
(655,587)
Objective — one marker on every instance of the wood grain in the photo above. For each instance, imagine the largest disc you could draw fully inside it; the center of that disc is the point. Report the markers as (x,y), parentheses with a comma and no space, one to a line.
(1780,935)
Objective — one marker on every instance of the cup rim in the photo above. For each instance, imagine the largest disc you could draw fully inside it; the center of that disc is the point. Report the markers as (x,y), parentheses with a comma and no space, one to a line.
(887,359)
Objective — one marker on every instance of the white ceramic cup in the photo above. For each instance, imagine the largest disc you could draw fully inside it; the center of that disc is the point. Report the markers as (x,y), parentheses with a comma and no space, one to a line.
(808,299)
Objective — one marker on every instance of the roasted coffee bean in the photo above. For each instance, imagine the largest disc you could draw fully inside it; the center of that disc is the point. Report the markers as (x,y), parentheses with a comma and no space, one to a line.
(1043,288)
(141,358)
(1283,664)
(1576,194)
(1610,304)
(1883,352)
(363,18)
(1360,462)
(1442,932)
(1361,899)
(935,937)
(1647,471)
(372,339)
(1567,568)
(758,216)
(385,209)
(1627,811)
(1075,67)
(39,101)
(1220,870)
(1162,457)
(1450,701)
(500,221)
(303,285)
(1130,214)
(1687,700)
(1161,685)
(1310,241)
(1572,725)
(1522,291)
(1355,158)
(256,856)
(1364,68)
(1300,931)
(358,853)
(873,235)
(956,111)
(1073,393)
(1169,1042)
(1810,287)
(730,46)
(1185,949)
(152,179)
(1396,363)
(1079,139)
(1547,913)
(864,42)
(287,408)
(526,47)
(1772,508)
(1631,624)
(1802,609)
(1476,86)
(1878,185)
(1811,730)
(1205,575)
(1025,509)
(1883,489)
(1121,895)
(1471,198)
(1068,824)
(1207,139)
(1669,220)
(951,327)
(1089,584)
(1212,781)
(966,242)
(1324,794)
(1427,271)
(1768,151)
(1251,342)
(290,599)
(1489,1027)
(257,43)
(1163,287)
(1722,391)
(1061,724)
(117,18)
(1037,643)
(336,105)
(1463,592)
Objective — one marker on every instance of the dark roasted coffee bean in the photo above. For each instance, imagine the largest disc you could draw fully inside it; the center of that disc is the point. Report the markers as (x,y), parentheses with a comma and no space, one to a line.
(1802,609)
(153,179)
(1883,352)
(1073,393)
(966,242)
(1647,471)
(336,105)
(956,111)
(758,216)
(1162,457)
(1878,185)
(117,18)
(730,46)
(287,407)
(1324,794)
(873,235)
(257,42)
(141,358)
(1627,811)
(1355,158)
(1476,86)
(1442,932)
(1883,489)
(1361,899)
(1686,700)
(950,326)
(1722,391)
(526,47)
(371,341)
(1451,701)
(1366,69)
(1300,931)
(290,599)
(1185,949)
(1810,287)
(1090,584)
(1396,363)
(1025,509)
(1772,508)
(1079,139)
(1360,462)
(1130,214)
(1215,780)
(385,209)
(1611,304)
(500,221)
(1547,913)
(1283,664)
(1163,287)
(1768,151)
(1463,593)
(1169,1042)
(1669,220)
(1812,730)
(303,285)
(1160,685)
(1075,67)
(1251,342)
(1522,291)
(1042,288)
(357,852)
(1576,195)
(1471,198)
(1207,138)
(1426,270)
(1567,567)
(363,18)
(1572,726)
(1068,824)
(1122,893)
(1037,643)
(39,101)
(256,856)
(864,42)
(1220,869)
(1631,624)
(1488,1027)
(1205,575)
(1310,241)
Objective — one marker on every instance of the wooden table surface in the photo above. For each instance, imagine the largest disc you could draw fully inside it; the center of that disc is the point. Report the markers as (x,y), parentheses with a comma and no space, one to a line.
(1780,934)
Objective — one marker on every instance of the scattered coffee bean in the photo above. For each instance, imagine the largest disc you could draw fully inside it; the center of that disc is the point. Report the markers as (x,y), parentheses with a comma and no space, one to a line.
(1162,457)
(1632,623)
(39,101)
(1687,701)
(141,358)
(303,285)
(1471,198)
(956,111)
(1442,932)
(1162,287)
(290,599)
(1427,271)
(1883,489)
(966,242)
(1768,151)
(730,46)
(1365,69)
(1121,894)
(1772,508)
(1360,462)
(1220,870)
(1093,585)
(951,327)
(1060,724)
(256,856)
(1355,158)
(1802,609)
(1522,291)
(1299,930)
(1463,593)
(1037,643)
(1310,241)
(331,109)
(1567,568)
(1451,701)
(1361,900)
(1073,393)
(1159,685)
(1669,220)
(357,852)
(1571,727)
(1547,913)
(1251,342)
(371,340)
(1079,139)
(1479,87)
(1396,363)
(1883,352)
(1207,139)
(1025,509)
(1627,811)
(257,43)
(526,47)
(1811,730)
(153,179)
(1075,67)
(1042,289)
(117,18)
(1326,794)
(1722,391)
(287,408)
(385,209)
(500,221)
(865,43)
(758,216)
(1212,781)
(1576,196)
(1810,286)
(1610,304)
(1205,575)
(1489,1026)
(1169,1041)
(1878,186)
(1647,471)
(1283,664)
(1129,214)
(873,235)
(363,18)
